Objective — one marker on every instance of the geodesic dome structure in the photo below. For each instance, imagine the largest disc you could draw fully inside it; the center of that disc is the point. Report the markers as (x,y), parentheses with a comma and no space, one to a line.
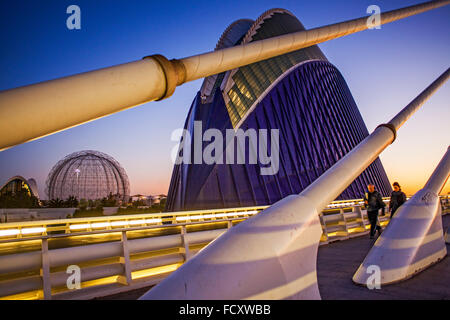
(87,175)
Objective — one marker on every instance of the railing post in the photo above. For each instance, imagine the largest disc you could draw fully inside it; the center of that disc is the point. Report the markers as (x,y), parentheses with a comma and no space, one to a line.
(185,244)
(45,270)
(125,261)
(344,222)
(364,218)
(324,227)
(358,210)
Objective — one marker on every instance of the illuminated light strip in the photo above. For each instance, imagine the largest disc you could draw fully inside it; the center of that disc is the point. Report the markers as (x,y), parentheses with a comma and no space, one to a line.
(98,282)
(346,204)
(157,220)
(30,295)
(231,214)
(332,234)
(217,215)
(100,225)
(154,271)
(79,226)
(136,222)
(119,223)
(97,225)
(184,218)
(9,232)
(33,230)
(356,229)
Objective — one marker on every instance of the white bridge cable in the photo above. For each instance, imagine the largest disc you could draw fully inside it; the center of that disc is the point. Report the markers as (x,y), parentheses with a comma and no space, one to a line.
(34,111)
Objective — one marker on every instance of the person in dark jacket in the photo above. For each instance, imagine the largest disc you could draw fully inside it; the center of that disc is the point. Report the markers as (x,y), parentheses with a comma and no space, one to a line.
(397,198)
(374,202)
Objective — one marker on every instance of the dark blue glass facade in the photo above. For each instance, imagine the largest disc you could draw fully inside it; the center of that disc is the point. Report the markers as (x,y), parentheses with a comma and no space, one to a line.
(303,96)
(319,123)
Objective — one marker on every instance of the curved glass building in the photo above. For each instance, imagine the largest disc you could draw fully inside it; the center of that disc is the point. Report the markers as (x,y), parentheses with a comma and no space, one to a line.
(302,95)
(19,184)
(19,192)
(87,175)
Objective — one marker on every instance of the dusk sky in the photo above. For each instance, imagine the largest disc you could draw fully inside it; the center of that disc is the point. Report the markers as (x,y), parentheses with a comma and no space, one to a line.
(384,69)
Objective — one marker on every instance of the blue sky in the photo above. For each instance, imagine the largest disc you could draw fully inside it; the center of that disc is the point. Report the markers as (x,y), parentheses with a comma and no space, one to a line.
(385,69)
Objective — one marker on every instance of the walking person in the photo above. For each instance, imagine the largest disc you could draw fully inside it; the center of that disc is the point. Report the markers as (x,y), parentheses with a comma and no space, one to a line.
(374,203)
(398,197)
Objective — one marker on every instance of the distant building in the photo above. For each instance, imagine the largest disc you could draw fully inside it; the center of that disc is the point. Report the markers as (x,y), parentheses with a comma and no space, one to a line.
(158,198)
(18,184)
(149,200)
(88,175)
(302,95)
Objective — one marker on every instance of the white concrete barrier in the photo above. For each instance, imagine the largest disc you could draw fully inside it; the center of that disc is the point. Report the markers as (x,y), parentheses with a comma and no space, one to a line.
(447,235)
(413,240)
(269,256)
(273,255)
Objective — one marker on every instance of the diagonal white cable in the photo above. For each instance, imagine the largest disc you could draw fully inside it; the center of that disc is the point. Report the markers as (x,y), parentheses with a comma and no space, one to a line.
(37,110)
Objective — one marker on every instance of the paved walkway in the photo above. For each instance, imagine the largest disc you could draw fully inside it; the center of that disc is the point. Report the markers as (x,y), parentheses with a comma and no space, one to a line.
(338,261)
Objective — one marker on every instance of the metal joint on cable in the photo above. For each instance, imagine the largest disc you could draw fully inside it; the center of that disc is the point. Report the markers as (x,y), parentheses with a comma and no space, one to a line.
(390,127)
(174,72)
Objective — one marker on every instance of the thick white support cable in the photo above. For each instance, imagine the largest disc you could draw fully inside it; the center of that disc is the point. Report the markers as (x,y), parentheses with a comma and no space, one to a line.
(37,110)
(341,174)
(273,255)
(206,64)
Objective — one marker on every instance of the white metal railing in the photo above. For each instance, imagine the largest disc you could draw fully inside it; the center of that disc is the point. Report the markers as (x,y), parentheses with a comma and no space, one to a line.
(135,259)
(30,229)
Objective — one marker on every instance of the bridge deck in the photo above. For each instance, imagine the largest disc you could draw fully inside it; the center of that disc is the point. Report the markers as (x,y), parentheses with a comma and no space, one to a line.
(338,261)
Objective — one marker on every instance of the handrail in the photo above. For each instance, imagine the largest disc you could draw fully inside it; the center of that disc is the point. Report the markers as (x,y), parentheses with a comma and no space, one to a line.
(37,110)
(155,265)
(334,228)
(116,221)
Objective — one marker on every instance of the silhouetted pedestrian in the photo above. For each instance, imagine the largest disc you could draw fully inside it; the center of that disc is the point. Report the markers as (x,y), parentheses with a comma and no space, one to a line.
(374,203)
(397,198)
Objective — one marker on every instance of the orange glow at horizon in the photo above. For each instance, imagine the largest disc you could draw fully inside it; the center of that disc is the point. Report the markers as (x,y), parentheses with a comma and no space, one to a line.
(411,180)
(410,184)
